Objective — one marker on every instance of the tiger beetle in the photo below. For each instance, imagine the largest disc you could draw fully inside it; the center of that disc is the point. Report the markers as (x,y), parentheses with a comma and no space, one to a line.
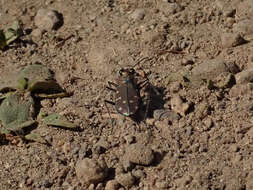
(127,89)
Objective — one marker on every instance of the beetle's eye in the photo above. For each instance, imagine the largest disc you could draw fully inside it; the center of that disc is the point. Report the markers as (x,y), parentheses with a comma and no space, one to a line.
(120,72)
(132,71)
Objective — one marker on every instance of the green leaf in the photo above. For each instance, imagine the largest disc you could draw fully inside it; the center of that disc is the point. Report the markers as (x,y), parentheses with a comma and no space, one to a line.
(16,112)
(13,32)
(36,138)
(56,119)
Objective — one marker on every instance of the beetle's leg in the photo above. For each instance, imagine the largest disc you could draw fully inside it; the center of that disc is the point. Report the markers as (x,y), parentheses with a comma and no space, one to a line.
(112,103)
(111,85)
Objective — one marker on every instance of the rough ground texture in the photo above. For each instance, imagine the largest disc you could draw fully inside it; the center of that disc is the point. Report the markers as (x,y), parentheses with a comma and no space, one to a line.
(205,143)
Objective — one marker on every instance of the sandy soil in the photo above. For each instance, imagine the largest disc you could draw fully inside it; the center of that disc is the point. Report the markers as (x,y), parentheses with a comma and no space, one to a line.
(204,139)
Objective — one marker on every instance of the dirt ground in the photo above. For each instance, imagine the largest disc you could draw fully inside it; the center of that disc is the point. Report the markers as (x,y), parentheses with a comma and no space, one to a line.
(201,50)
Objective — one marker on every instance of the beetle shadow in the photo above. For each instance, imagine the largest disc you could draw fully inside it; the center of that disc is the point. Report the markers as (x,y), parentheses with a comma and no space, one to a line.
(156,99)
(149,104)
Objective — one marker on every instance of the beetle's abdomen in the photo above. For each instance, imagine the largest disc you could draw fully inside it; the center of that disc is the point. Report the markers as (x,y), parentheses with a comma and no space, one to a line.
(127,100)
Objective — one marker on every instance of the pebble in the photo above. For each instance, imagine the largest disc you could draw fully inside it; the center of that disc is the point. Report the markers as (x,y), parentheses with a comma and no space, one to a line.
(83,151)
(245,76)
(187,61)
(208,123)
(139,154)
(210,69)
(202,110)
(231,40)
(162,184)
(47,20)
(112,185)
(127,165)
(241,89)
(129,139)
(90,171)
(244,27)
(126,180)
(161,114)
(249,181)
(37,34)
(138,174)
(138,14)
(178,105)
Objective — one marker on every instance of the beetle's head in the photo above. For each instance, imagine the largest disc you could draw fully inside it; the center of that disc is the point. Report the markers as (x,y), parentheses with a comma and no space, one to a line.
(127,74)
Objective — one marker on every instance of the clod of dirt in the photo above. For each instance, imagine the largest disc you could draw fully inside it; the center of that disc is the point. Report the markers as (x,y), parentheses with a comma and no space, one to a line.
(138,174)
(178,105)
(129,139)
(225,80)
(37,34)
(169,8)
(91,171)
(244,26)
(231,40)
(210,69)
(241,89)
(112,185)
(202,110)
(127,165)
(249,182)
(244,9)
(47,19)
(161,114)
(138,14)
(139,154)
(126,180)
(245,76)
(162,184)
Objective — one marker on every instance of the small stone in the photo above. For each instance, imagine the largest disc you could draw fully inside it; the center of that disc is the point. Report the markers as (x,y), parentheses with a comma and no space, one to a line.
(244,76)
(138,174)
(175,87)
(103,143)
(234,148)
(97,149)
(100,186)
(161,114)
(139,154)
(126,180)
(138,14)
(66,147)
(231,40)
(83,151)
(37,34)
(250,133)
(91,187)
(249,181)
(202,110)
(245,27)
(241,90)
(208,122)
(91,171)
(112,185)
(211,68)
(162,184)
(47,20)
(178,105)
(129,139)
(127,165)
(187,61)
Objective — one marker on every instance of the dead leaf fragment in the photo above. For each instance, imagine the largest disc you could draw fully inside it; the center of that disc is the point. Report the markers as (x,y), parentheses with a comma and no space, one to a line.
(58,120)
